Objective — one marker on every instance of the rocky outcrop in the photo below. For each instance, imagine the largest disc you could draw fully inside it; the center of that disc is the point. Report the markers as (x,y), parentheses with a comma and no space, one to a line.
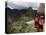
(29,12)
(41,8)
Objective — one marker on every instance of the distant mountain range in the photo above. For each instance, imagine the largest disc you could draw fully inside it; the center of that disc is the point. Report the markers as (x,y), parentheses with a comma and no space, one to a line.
(16,12)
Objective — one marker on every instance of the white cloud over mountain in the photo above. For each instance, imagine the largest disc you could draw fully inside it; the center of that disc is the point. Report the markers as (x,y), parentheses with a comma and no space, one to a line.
(22,5)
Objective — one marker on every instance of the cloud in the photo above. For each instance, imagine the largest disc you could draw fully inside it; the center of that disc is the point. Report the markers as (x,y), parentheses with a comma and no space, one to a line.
(22,5)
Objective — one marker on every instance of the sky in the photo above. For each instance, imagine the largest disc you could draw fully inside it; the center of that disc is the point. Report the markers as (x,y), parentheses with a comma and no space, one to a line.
(22,5)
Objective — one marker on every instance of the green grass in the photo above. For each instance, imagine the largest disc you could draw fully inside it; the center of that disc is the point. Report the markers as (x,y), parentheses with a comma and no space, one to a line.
(21,26)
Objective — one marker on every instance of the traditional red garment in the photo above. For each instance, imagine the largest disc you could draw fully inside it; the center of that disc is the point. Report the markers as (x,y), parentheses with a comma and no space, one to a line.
(39,21)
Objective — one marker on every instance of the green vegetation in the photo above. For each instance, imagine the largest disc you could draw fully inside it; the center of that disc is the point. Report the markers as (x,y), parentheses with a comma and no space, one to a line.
(20,25)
